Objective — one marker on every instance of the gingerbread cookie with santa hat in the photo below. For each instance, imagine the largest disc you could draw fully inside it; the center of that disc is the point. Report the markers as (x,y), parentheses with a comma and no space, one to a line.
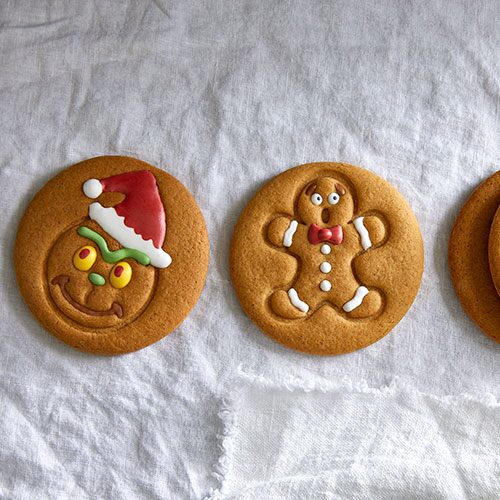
(327,258)
(111,254)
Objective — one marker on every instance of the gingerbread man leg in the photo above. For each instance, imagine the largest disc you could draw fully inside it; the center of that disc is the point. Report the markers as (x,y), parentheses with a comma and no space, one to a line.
(297,301)
(288,304)
(364,303)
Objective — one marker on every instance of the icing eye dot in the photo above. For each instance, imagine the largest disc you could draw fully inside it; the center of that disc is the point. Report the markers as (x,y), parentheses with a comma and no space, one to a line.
(333,198)
(316,199)
(84,258)
(84,253)
(120,275)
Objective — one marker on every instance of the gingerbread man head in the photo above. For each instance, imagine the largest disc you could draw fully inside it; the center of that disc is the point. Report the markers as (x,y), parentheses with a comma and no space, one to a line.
(325,202)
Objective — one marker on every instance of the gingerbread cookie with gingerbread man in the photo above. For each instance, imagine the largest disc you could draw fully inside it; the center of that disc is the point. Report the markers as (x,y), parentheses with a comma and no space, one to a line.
(327,258)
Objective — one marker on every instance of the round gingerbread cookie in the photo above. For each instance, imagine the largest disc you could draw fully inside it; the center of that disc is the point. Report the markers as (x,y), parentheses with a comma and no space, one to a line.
(327,258)
(111,254)
(494,250)
(468,257)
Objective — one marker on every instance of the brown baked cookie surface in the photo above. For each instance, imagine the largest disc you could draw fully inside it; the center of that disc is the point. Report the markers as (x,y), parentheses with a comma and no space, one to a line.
(327,258)
(111,254)
(494,250)
(468,257)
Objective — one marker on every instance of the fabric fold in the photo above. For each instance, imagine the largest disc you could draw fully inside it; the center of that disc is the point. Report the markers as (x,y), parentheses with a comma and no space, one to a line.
(325,440)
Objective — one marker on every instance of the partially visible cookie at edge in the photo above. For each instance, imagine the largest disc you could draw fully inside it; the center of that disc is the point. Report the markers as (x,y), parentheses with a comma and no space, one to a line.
(494,250)
(468,257)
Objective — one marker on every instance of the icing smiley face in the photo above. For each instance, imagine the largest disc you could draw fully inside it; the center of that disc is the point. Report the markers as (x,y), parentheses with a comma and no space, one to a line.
(94,281)
(111,279)
(325,202)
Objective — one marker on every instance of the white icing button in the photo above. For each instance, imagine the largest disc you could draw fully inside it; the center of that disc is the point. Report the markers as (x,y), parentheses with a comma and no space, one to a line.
(325,249)
(325,267)
(325,285)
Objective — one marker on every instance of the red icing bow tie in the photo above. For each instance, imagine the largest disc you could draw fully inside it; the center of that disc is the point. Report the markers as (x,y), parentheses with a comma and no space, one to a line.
(333,235)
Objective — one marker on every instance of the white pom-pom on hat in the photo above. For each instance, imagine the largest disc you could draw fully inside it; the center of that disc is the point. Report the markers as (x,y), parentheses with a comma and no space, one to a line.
(92,188)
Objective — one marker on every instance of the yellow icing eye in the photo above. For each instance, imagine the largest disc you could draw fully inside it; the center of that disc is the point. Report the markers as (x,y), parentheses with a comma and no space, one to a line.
(84,258)
(120,275)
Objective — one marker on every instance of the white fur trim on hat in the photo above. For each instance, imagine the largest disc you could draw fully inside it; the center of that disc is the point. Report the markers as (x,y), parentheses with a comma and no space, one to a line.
(114,225)
(92,188)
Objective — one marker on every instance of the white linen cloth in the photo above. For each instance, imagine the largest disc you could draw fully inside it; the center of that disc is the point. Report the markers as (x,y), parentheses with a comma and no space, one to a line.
(225,95)
(294,440)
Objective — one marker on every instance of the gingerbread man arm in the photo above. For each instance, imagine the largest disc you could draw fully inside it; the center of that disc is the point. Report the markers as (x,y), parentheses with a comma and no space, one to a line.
(281,231)
(371,230)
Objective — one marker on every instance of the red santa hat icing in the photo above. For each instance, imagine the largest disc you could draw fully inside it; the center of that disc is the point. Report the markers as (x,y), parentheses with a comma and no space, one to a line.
(137,222)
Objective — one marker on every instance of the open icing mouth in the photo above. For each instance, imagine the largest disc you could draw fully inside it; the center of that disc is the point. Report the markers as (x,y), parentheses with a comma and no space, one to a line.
(61,280)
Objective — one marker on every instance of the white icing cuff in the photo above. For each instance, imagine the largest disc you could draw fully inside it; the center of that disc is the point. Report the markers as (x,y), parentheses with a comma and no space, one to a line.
(359,224)
(92,188)
(288,236)
(114,225)
(296,302)
(357,300)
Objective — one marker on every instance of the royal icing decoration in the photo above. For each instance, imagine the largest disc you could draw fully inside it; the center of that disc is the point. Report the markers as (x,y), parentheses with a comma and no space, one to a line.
(296,302)
(92,188)
(325,286)
(333,198)
(363,232)
(112,257)
(84,258)
(325,249)
(97,279)
(137,222)
(120,275)
(114,225)
(333,235)
(316,199)
(357,300)
(325,267)
(288,236)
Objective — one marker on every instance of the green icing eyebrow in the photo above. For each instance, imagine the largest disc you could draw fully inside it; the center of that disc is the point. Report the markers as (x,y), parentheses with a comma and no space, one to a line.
(117,255)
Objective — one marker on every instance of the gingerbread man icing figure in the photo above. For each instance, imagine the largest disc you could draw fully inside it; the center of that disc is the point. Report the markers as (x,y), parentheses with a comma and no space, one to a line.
(326,236)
